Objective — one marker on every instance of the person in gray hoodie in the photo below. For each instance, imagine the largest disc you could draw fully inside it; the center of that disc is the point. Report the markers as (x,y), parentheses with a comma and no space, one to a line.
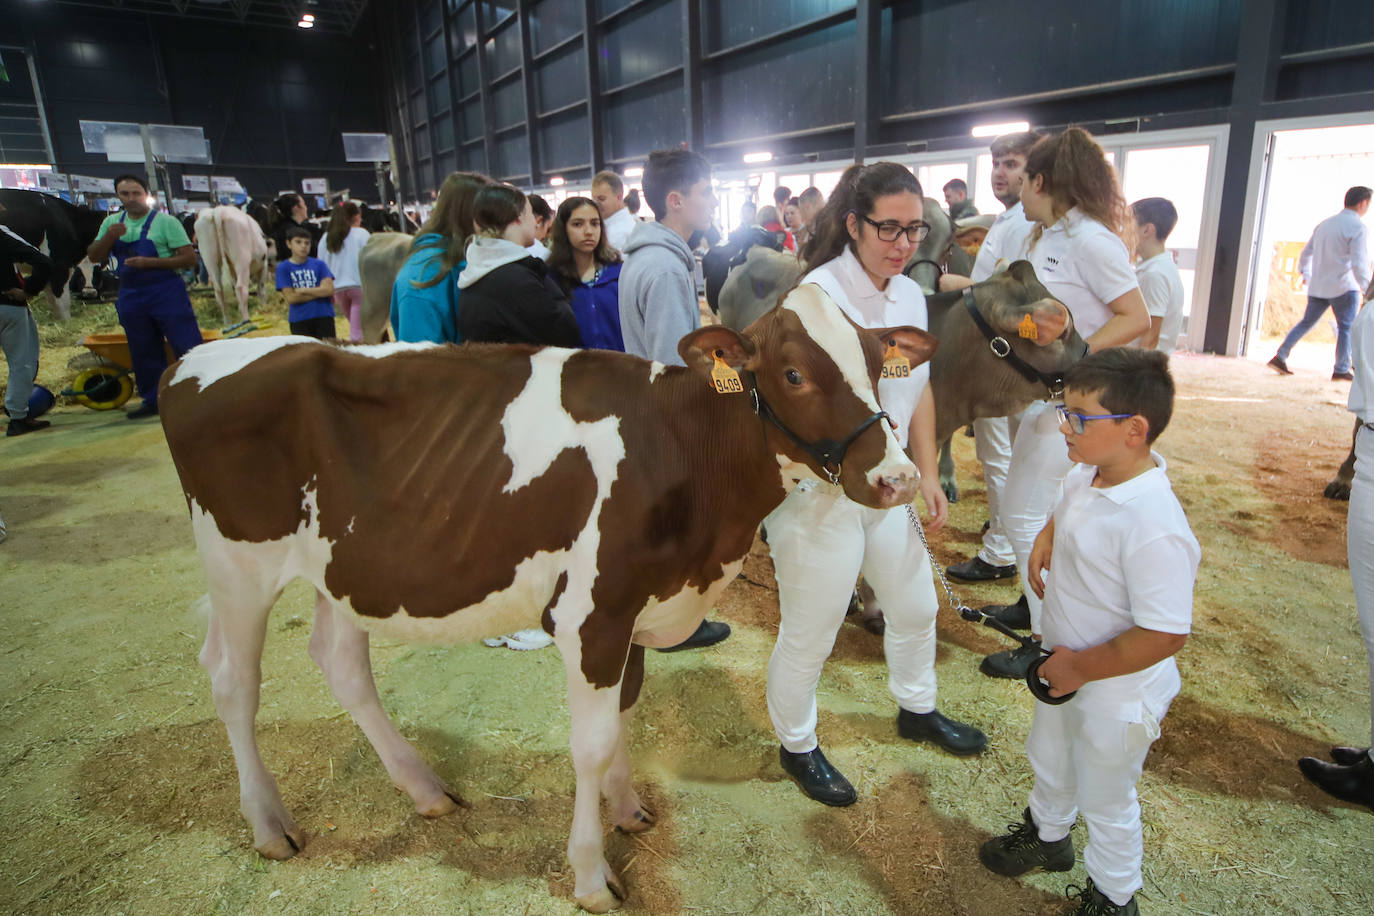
(658,296)
(507,298)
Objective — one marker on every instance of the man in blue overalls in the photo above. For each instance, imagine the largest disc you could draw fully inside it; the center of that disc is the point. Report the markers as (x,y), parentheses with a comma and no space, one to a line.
(152,304)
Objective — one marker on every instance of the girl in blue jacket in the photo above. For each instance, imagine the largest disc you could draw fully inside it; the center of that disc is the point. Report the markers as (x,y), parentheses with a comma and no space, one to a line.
(424,298)
(584,264)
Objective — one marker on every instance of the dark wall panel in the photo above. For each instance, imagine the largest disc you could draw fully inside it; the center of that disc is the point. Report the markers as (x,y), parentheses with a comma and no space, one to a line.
(563,142)
(1317,24)
(552,21)
(740,99)
(641,120)
(641,44)
(726,23)
(558,79)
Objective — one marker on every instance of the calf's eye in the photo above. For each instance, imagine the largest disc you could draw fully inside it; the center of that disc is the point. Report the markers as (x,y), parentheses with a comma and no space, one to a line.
(793,377)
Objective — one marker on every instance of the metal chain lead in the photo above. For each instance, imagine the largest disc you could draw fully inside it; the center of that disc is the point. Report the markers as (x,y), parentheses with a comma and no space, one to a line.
(954,603)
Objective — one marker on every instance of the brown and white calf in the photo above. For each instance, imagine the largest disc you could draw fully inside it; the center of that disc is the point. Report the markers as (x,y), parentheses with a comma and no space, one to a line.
(396,479)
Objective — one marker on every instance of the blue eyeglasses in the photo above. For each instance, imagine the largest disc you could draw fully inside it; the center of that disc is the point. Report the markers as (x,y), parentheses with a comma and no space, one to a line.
(1078,421)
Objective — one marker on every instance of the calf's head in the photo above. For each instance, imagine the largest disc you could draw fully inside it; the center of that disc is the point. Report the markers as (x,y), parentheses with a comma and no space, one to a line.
(1038,327)
(814,374)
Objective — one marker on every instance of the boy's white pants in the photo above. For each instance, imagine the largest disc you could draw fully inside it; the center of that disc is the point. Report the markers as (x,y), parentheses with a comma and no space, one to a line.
(992,444)
(1085,763)
(821,541)
(1039,464)
(1359,540)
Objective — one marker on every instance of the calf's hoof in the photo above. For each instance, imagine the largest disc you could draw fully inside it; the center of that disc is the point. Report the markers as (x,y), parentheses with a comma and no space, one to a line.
(604,899)
(1337,489)
(283,847)
(638,822)
(446,803)
(951,489)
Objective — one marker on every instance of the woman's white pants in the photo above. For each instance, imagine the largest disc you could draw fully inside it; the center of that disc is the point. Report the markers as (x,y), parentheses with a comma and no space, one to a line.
(821,541)
(1359,540)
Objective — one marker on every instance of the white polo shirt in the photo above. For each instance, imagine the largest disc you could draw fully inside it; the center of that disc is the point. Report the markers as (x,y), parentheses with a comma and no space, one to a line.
(1005,241)
(618,228)
(1162,288)
(844,281)
(1083,265)
(1124,557)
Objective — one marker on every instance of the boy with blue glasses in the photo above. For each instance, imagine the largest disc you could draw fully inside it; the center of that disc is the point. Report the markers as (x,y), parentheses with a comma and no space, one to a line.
(1118,603)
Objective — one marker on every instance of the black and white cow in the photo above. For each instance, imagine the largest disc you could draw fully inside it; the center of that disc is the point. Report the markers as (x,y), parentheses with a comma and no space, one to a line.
(60,230)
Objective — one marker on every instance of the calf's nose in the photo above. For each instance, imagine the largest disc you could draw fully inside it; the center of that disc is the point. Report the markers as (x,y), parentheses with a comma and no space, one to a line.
(897,489)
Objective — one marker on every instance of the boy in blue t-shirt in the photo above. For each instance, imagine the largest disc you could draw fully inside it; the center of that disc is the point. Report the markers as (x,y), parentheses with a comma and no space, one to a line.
(308,287)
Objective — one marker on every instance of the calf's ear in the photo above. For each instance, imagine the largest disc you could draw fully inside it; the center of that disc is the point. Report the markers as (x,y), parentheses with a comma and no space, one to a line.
(698,349)
(916,345)
(1041,322)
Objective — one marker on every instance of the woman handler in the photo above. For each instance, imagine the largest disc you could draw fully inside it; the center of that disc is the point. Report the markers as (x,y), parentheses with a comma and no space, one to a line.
(147,249)
(821,540)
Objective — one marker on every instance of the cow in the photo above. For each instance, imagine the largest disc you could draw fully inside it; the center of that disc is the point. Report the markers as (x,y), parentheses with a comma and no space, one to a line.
(378,264)
(235,254)
(646,486)
(60,230)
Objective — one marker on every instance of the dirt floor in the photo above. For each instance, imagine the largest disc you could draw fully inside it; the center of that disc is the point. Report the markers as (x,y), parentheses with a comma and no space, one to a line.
(118,791)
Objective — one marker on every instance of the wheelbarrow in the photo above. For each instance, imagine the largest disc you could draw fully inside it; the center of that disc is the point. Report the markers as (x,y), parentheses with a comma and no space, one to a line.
(110,384)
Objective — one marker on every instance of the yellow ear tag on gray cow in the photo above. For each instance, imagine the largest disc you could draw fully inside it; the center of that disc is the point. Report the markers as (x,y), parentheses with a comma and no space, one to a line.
(724,378)
(895,365)
(1028,329)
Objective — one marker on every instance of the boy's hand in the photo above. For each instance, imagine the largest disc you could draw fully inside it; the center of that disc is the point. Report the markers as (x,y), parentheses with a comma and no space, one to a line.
(937,504)
(1061,673)
(1040,559)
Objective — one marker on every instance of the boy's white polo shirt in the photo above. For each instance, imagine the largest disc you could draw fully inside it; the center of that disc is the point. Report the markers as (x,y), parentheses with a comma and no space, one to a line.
(1085,266)
(1005,241)
(903,302)
(1124,557)
(1162,288)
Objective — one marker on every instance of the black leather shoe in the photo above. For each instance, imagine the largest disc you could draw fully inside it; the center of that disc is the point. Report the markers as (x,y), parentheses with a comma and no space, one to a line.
(1015,615)
(1013,663)
(1279,366)
(1352,783)
(1342,376)
(817,778)
(708,634)
(956,737)
(25,425)
(977,570)
(1349,755)
(145,409)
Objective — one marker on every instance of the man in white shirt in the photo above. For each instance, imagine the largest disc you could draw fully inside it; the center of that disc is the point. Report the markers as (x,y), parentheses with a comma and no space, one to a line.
(1005,242)
(1157,273)
(608,190)
(1335,267)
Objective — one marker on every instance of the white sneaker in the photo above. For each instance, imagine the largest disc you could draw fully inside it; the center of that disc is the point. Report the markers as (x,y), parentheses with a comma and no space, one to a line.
(521,640)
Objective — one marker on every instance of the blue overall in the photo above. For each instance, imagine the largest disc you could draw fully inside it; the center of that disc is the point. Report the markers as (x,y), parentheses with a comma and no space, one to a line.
(152,305)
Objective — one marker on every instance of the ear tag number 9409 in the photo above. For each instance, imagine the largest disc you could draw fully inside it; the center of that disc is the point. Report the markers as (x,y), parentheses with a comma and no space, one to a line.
(724,378)
(895,365)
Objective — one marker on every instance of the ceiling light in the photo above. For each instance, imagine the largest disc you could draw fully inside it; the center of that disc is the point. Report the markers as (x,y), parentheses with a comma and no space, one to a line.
(307,17)
(634,172)
(557,181)
(305,24)
(758,157)
(997,130)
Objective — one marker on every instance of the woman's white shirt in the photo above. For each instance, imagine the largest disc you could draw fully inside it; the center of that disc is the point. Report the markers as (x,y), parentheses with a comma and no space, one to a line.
(903,302)
(343,264)
(1085,266)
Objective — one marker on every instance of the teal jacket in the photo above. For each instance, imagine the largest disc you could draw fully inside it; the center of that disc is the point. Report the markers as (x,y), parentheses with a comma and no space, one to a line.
(429,313)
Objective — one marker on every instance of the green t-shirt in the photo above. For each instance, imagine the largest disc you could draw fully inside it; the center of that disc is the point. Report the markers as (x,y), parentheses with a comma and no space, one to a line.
(166,232)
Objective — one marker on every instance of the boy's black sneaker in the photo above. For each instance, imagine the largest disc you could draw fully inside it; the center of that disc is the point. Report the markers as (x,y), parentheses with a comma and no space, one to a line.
(25,425)
(1021,850)
(1092,902)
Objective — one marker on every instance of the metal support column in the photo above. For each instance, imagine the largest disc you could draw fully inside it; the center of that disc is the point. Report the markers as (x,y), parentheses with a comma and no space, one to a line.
(868,14)
(591,41)
(522,23)
(484,84)
(691,74)
(1257,66)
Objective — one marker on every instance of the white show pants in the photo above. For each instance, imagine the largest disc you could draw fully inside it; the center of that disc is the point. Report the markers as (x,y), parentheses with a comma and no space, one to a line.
(821,541)
(1088,763)
(1039,464)
(1359,539)
(992,438)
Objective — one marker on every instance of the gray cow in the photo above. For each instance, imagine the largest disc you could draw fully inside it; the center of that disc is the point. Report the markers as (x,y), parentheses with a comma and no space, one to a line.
(378,264)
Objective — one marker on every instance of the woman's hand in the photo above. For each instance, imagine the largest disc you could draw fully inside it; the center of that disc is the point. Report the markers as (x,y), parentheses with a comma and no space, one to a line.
(937,504)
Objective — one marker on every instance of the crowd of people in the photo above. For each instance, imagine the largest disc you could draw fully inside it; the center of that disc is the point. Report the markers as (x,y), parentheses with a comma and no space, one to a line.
(1074,484)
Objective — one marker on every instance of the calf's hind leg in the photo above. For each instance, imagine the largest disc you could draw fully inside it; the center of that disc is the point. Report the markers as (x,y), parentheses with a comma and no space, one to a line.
(340,648)
(232,655)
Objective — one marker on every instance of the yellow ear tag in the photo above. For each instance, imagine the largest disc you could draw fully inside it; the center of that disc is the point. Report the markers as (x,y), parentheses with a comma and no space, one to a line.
(895,365)
(724,378)
(1027,328)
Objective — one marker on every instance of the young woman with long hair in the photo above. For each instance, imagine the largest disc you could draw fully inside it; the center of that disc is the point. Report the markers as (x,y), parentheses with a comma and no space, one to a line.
(585,266)
(507,297)
(821,540)
(339,249)
(1080,252)
(424,297)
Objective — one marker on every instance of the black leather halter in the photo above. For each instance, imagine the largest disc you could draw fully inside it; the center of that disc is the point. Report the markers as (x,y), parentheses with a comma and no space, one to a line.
(1002,349)
(824,452)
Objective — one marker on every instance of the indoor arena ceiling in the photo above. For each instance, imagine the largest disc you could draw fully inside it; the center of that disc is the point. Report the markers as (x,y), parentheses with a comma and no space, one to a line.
(333,16)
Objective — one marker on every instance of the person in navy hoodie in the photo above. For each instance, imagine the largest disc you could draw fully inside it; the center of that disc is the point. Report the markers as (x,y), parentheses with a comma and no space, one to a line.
(507,297)
(586,267)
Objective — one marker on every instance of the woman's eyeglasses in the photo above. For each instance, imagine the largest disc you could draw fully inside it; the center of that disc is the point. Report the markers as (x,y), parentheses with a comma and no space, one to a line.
(1078,421)
(888,231)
